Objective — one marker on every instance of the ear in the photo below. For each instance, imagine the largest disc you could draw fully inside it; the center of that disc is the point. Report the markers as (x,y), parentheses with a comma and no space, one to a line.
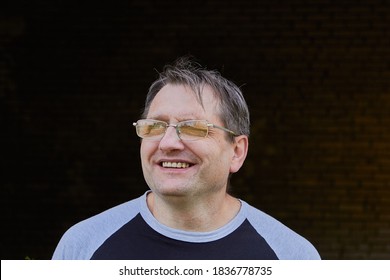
(240,151)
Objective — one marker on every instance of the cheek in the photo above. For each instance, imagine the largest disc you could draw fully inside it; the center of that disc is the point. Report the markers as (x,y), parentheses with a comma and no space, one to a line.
(145,154)
(147,147)
(220,157)
(146,150)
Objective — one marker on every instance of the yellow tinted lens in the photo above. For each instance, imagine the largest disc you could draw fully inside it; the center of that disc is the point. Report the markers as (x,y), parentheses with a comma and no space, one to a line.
(193,129)
(150,129)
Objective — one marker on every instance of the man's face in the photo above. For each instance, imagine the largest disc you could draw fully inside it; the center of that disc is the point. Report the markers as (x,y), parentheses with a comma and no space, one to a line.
(204,164)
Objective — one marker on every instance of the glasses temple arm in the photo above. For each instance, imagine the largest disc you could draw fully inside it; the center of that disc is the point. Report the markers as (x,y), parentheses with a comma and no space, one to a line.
(223,128)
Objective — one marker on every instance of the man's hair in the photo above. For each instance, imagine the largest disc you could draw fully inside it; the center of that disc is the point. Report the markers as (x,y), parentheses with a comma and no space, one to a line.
(233,109)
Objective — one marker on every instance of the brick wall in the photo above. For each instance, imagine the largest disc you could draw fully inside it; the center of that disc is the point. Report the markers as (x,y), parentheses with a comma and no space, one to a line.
(315,74)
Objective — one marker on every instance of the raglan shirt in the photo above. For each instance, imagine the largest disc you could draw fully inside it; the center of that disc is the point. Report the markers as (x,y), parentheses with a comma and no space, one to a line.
(130,231)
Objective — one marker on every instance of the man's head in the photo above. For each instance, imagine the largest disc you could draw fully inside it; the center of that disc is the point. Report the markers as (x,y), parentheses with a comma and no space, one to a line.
(195,132)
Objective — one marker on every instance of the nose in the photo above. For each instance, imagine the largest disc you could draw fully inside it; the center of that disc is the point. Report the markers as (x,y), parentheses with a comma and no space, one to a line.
(170,140)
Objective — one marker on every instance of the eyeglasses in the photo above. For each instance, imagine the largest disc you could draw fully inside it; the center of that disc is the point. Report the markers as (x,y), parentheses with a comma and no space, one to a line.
(187,130)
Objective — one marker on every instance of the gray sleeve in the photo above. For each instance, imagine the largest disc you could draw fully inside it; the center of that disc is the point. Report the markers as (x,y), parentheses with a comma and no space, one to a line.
(81,240)
(287,244)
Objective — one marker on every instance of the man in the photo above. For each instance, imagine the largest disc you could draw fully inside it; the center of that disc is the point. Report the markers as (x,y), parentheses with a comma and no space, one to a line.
(194,132)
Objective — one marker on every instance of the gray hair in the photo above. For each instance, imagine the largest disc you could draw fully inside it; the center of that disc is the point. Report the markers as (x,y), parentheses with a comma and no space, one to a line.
(233,109)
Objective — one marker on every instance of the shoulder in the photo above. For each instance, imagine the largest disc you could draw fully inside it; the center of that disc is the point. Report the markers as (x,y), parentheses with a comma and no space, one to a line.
(286,243)
(81,240)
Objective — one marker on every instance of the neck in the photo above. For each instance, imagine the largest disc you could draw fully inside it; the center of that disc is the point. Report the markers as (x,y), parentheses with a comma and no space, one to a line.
(191,214)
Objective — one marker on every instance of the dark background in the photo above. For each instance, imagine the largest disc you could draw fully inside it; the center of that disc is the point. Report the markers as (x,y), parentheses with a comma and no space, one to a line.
(73,77)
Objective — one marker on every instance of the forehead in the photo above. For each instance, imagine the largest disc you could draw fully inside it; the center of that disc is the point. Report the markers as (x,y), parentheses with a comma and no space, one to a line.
(181,102)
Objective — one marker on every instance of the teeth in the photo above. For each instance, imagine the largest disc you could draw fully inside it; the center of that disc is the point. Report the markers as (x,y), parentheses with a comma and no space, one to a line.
(175,164)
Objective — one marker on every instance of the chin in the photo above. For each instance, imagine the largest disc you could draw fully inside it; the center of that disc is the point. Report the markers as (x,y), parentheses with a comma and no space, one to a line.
(172,191)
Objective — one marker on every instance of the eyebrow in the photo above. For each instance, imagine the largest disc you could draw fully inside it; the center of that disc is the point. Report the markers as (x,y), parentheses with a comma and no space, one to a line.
(166,118)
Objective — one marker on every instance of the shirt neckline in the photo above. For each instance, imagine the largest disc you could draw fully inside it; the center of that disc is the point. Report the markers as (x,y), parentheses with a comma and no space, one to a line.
(191,236)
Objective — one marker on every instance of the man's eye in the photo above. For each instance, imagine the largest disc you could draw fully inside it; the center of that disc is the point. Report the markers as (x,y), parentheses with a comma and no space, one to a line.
(194,129)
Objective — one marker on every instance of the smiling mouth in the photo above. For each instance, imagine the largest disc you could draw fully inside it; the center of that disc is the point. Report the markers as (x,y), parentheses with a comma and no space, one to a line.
(179,165)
